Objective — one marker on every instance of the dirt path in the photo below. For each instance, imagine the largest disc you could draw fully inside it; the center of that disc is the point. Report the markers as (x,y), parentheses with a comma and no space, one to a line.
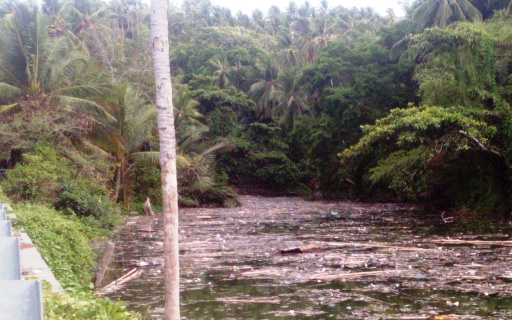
(279,258)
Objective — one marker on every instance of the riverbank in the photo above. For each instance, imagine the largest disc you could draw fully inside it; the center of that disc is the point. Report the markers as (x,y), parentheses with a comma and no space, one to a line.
(31,262)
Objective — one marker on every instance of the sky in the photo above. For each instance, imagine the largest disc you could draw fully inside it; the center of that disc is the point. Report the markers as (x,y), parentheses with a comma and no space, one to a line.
(248,6)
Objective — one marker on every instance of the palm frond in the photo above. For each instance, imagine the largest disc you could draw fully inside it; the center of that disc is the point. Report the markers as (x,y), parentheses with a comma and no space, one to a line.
(87,105)
(94,149)
(216,147)
(150,157)
(8,107)
(106,138)
(79,90)
(8,91)
(468,10)
(153,158)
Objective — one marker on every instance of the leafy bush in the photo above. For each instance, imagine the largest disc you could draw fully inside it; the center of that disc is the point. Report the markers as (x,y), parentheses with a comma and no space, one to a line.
(261,158)
(45,177)
(146,181)
(274,168)
(37,177)
(82,305)
(61,241)
(445,154)
(76,198)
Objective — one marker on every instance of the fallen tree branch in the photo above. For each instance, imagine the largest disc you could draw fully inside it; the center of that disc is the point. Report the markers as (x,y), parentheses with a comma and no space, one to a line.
(305,249)
(116,284)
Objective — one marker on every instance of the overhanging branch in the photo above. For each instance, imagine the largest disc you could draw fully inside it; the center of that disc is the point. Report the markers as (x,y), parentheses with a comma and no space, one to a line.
(479,143)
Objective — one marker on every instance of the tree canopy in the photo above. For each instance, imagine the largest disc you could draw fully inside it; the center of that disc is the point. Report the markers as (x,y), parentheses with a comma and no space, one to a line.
(315,100)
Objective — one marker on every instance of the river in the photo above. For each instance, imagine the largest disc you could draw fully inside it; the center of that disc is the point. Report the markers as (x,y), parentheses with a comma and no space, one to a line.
(286,258)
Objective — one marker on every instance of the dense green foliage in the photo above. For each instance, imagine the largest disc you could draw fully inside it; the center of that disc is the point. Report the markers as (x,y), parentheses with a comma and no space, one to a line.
(427,150)
(63,241)
(262,100)
(82,305)
(44,177)
(320,101)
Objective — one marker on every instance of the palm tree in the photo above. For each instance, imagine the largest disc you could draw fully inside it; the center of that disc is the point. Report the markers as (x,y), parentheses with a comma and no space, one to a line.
(85,14)
(167,136)
(324,28)
(221,70)
(185,109)
(263,91)
(57,11)
(124,138)
(274,18)
(258,22)
(37,71)
(290,53)
(443,12)
(291,100)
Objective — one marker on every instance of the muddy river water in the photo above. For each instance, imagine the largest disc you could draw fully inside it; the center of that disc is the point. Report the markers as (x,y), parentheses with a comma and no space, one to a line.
(286,258)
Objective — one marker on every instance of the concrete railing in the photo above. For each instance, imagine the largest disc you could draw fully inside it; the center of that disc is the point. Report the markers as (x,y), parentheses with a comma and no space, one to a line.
(19,299)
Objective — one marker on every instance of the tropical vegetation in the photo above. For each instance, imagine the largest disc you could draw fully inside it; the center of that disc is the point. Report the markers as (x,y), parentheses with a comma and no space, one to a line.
(309,99)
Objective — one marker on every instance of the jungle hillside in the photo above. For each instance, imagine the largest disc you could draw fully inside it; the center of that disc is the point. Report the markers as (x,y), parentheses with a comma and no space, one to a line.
(320,101)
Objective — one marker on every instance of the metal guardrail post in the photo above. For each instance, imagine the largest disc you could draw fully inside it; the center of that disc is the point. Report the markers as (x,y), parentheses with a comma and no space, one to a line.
(10,268)
(5,228)
(21,300)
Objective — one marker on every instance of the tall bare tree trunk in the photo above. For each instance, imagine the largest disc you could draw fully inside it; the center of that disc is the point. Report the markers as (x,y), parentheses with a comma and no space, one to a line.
(160,39)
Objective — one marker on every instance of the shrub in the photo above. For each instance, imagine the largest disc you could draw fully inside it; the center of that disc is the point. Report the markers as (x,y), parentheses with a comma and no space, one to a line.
(93,206)
(61,241)
(37,177)
(145,180)
(82,305)
(45,177)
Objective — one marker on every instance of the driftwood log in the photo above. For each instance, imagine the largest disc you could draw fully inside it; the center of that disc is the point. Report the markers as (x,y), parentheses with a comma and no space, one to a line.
(115,285)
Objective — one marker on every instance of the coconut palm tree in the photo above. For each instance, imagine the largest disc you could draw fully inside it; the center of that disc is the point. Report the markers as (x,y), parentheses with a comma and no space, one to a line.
(124,138)
(291,100)
(167,136)
(221,70)
(263,91)
(57,11)
(185,108)
(443,12)
(290,53)
(37,71)
(84,15)
(258,21)
(274,20)
(323,29)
